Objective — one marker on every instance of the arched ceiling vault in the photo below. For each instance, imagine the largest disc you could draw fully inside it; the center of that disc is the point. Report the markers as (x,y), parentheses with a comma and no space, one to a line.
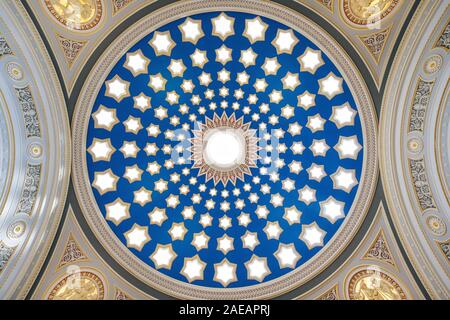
(229,149)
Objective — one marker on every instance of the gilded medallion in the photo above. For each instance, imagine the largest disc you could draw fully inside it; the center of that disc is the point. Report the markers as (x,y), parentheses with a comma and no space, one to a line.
(82,285)
(371,284)
(364,12)
(76,14)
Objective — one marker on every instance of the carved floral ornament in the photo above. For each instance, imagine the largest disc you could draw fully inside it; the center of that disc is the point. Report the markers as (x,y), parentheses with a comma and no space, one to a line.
(120,4)
(71,49)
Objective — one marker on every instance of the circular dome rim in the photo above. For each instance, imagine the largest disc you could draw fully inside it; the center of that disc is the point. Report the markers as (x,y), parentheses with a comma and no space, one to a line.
(122,254)
(30,54)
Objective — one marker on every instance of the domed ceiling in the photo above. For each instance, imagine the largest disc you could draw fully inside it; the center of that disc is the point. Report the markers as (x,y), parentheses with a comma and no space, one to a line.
(224,149)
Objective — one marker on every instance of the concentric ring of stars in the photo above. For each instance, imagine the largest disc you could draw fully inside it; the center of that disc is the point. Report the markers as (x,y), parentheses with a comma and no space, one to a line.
(154,179)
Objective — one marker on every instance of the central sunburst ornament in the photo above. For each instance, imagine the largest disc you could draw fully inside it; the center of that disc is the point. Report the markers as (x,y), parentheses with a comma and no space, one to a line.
(224,149)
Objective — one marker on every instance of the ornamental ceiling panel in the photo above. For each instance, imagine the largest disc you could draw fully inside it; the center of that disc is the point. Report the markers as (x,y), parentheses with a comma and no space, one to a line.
(201,145)
(224,149)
